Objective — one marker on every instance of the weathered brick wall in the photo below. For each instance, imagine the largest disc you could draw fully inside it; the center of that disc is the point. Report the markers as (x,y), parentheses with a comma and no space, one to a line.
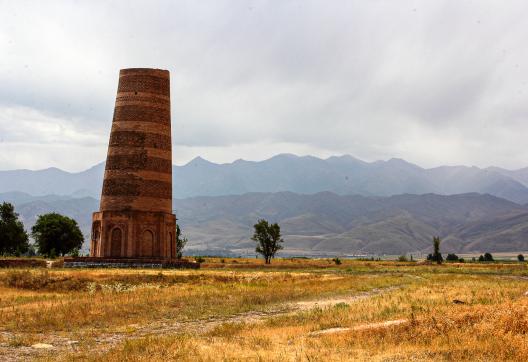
(139,150)
(135,218)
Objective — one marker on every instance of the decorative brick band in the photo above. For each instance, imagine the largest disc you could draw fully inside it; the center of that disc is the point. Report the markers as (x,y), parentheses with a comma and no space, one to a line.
(140,113)
(137,162)
(145,175)
(143,83)
(140,139)
(134,203)
(143,101)
(161,73)
(146,96)
(144,127)
(134,187)
(150,152)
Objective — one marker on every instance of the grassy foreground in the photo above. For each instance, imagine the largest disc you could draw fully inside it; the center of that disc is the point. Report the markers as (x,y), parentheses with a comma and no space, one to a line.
(294,310)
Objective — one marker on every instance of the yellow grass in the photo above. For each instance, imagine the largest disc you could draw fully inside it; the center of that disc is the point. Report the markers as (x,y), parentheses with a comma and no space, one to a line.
(271,313)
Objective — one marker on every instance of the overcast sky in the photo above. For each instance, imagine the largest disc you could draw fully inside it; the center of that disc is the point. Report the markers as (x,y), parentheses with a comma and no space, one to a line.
(433,82)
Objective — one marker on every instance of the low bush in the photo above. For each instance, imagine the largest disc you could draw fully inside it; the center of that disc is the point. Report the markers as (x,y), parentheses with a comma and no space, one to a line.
(22,263)
(43,281)
(452,257)
(485,257)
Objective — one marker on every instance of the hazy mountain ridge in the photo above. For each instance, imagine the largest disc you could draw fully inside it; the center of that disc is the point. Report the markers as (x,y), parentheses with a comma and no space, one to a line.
(343,175)
(326,223)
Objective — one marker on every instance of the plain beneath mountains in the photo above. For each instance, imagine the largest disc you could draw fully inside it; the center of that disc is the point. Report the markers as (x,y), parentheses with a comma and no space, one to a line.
(325,223)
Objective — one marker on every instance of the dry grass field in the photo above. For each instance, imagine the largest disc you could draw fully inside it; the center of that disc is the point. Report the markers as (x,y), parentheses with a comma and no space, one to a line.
(293,310)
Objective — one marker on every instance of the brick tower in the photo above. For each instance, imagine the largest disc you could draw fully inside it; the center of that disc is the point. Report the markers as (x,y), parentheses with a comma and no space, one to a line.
(135,219)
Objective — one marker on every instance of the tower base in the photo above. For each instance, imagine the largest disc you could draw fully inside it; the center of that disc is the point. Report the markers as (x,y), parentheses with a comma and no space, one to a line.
(144,263)
(134,234)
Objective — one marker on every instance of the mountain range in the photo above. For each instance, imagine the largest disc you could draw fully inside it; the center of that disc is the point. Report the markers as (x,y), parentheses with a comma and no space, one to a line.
(343,175)
(325,223)
(334,206)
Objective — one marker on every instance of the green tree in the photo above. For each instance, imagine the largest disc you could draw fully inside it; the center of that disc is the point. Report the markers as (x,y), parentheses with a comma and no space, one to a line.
(452,257)
(13,237)
(520,257)
(181,241)
(488,257)
(269,239)
(437,256)
(56,234)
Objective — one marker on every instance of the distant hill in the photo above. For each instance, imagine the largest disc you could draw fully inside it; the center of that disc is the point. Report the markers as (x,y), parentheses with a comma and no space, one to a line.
(343,175)
(520,175)
(53,181)
(327,223)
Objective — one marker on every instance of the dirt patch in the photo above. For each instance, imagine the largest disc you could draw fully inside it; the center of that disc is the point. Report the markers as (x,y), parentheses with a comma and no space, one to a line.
(328,331)
(329,302)
(361,327)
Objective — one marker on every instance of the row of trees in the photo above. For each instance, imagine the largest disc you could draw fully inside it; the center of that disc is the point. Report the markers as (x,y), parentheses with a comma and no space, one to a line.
(268,238)
(436,256)
(54,234)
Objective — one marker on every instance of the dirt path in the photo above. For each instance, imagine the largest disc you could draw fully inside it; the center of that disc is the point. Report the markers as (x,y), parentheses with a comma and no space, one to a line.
(50,345)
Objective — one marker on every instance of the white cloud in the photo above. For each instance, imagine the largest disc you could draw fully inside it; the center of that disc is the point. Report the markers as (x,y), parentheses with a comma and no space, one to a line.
(32,139)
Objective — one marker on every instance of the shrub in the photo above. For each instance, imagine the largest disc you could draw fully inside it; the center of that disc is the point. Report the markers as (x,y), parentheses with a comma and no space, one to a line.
(199,259)
(26,280)
(432,257)
(337,261)
(43,281)
(452,257)
(520,257)
(402,258)
(181,241)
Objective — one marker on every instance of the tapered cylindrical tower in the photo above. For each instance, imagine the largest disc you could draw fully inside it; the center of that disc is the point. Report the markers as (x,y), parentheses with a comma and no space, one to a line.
(135,217)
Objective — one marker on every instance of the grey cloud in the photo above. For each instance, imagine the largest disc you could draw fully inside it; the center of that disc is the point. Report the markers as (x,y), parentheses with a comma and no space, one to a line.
(376,79)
